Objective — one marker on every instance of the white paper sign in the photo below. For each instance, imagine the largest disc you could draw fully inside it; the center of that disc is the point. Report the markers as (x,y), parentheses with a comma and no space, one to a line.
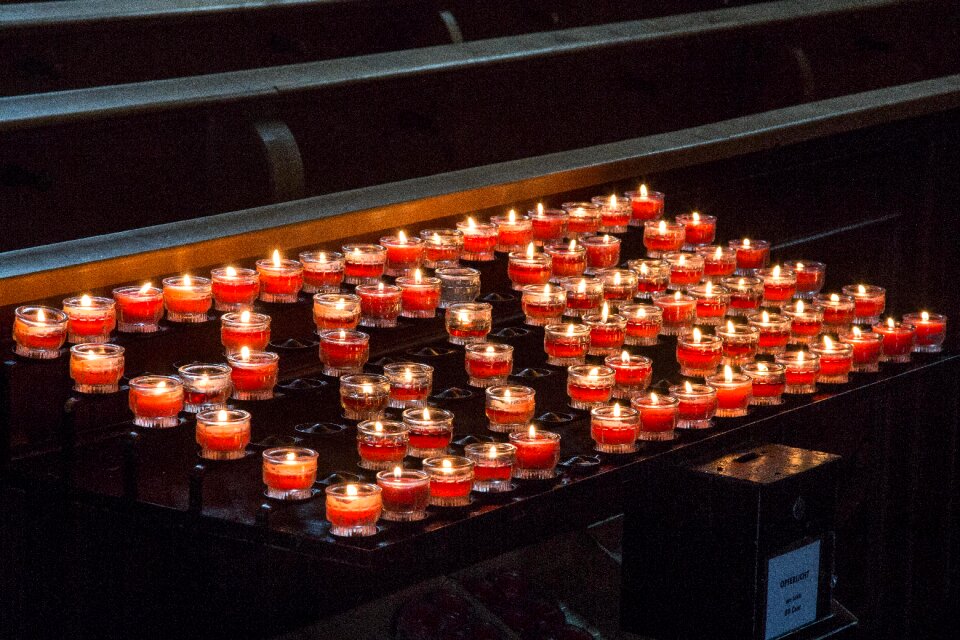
(792,580)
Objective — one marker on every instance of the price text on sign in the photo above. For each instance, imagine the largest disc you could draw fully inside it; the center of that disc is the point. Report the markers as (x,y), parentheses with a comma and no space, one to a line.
(792,580)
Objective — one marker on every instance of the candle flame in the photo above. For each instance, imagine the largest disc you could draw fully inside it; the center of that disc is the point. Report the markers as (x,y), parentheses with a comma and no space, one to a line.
(244,353)
(426,413)
(727,373)
(643,191)
(340,305)
(41,316)
(322,257)
(491,350)
(718,253)
(641,312)
(276,257)
(532,431)
(539,208)
(730,326)
(463,317)
(145,289)
(662,227)
(746,242)
(761,366)
(616,278)
(925,316)
(605,312)
(512,215)
(891,323)
(397,472)
(682,260)
(862,290)
(644,269)
(407,375)
(708,289)
(827,342)
(506,393)
(343,334)
(531,250)
(356,253)
(776,271)
(221,416)
(380,287)
(435,238)
(800,306)
(582,286)
(765,316)
(368,388)
(245,316)
(187,281)
(546,289)
(162,384)
(799,356)
(85,301)
(687,386)
(377,426)
(613,201)
(696,216)
(625,356)
(471,223)
(401,237)
(492,452)
(290,456)
(594,372)
(446,464)
(616,409)
(654,398)
(351,489)
(741,282)
(417,276)
(572,246)
(798,266)
(697,335)
(231,272)
(834,297)
(569,329)
(856,332)
(676,296)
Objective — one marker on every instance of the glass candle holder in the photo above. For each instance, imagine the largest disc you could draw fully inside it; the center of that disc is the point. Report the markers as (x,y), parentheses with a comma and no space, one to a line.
(244,329)
(718,262)
(566,344)
(774,331)
(584,295)
(441,247)
(583,220)
(810,277)
(867,347)
(322,271)
(548,224)
(90,319)
(603,252)
(405,494)
(806,321)
(931,331)
(740,343)
(139,309)
(363,263)
(653,276)
(538,453)
(712,302)
(39,332)
(699,354)
(253,374)
(699,229)
(679,312)
(156,400)
(404,254)
(280,279)
(838,311)
(543,304)
(509,407)
(479,240)
(468,322)
(568,259)
(869,302)
(380,304)
(451,480)
(644,322)
(410,383)
(223,434)
(658,416)
(589,385)
(769,382)
(632,374)
(614,429)
(488,363)
(607,332)
(752,255)
(234,288)
(419,295)
(364,396)
(898,339)
(431,431)
(187,298)
(696,405)
(458,285)
(734,392)
(661,236)
(644,205)
(800,371)
(746,293)
(514,232)
(289,472)
(528,267)
(382,444)
(619,285)
(685,269)
(336,311)
(343,351)
(836,360)
(353,508)
(779,285)
(205,386)
(96,368)
(492,466)
(615,213)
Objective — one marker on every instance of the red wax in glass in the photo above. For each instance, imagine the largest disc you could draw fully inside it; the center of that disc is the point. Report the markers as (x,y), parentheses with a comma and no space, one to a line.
(383,304)
(492,472)
(404,497)
(94,375)
(457,332)
(233,339)
(717,268)
(751,258)
(478,243)
(603,256)
(483,368)
(702,232)
(831,365)
(450,489)
(743,301)
(149,405)
(769,339)
(711,308)
(234,293)
(514,237)
(768,389)
(39,339)
(403,253)
(253,378)
(649,286)
(896,342)
(629,374)
(658,418)
(223,440)
(778,292)
(388,450)
(537,454)
(737,349)
(90,326)
(280,283)
(353,516)
(565,349)
(322,279)
(867,307)
(642,327)
(699,358)
(683,276)
(411,392)
(734,397)
(588,394)
(362,269)
(440,253)
(201,397)
(133,310)
(363,403)
(798,378)
(645,208)
(528,274)
(541,310)
(832,315)
(675,312)
(663,243)
(185,301)
(548,227)
(806,327)
(288,481)
(611,432)
(866,352)
(807,280)
(517,413)
(434,439)
(583,224)
(928,332)
(696,409)
(343,353)
(584,301)
(606,336)
(417,299)
(568,265)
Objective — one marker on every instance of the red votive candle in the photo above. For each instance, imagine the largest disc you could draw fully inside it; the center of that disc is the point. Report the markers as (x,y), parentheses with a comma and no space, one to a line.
(364,396)
(658,416)
(156,400)
(380,304)
(568,259)
(441,247)
(806,322)
(779,285)
(39,332)
(244,329)
(774,331)
(431,431)
(589,386)
(187,299)
(234,289)
(685,269)
(870,302)
(322,271)
(836,360)
(584,218)
(769,382)
(661,236)
(468,322)
(619,285)
(509,407)
(363,263)
(632,373)
(528,267)
(712,302)
(800,371)
(96,368)
(492,466)
(514,232)
(718,262)
(810,276)
(543,304)
(566,344)
(644,205)
(280,279)
(138,308)
(614,429)
(734,391)
(740,343)
(653,276)
(746,293)
(584,295)
(403,254)
(603,252)
(698,354)
(699,230)
(253,374)
(90,319)
(696,405)
(867,347)
(353,509)
(607,332)
(615,214)
(382,444)
(838,311)
(223,434)
(643,323)
(343,351)
(410,383)
(479,240)
(289,472)
(420,295)
(679,312)
(931,331)
(405,494)
(336,311)
(548,224)
(751,255)
(205,386)
(451,480)
(488,363)
(898,339)
(537,454)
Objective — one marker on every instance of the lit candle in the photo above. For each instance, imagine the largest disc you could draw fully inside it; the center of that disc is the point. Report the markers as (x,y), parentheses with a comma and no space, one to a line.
(280,279)
(492,466)
(244,329)
(382,444)
(679,312)
(419,295)
(528,267)
(233,288)
(584,295)
(746,292)
(364,396)
(380,304)
(156,400)
(90,319)
(867,347)
(898,339)
(589,386)
(138,308)
(205,386)
(661,236)
(718,262)
(740,343)
(568,259)
(800,371)
(712,302)
(615,214)
(779,285)
(931,331)
(488,363)
(343,351)
(603,252)
(514,232)
(698,354)
(658,416)
(253,374)
(836,360)
(548,224)
(479,240)
(187,299)
(353,509)
(96,368)
(410,383)
(607,332)
(614,429)
(632,374)
(322,271)
(441,247)
(870,302)
(774,331)
(39,332)
(645,205)
(699,229)
(468,322)
(509,407)
(537,453)
(458,285)
(769,382)
(566,344)
(336,311)
(806,322)
(405,494)
(223,434)
(685,269)
(751,255)
(644,322)
(619,285)
(404,254)
(543,304)
(696,405)
(431,431)
(734,391)
(584,218)
(363,263)
(810,276)
(653,276)
(451,479)
(289,472)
